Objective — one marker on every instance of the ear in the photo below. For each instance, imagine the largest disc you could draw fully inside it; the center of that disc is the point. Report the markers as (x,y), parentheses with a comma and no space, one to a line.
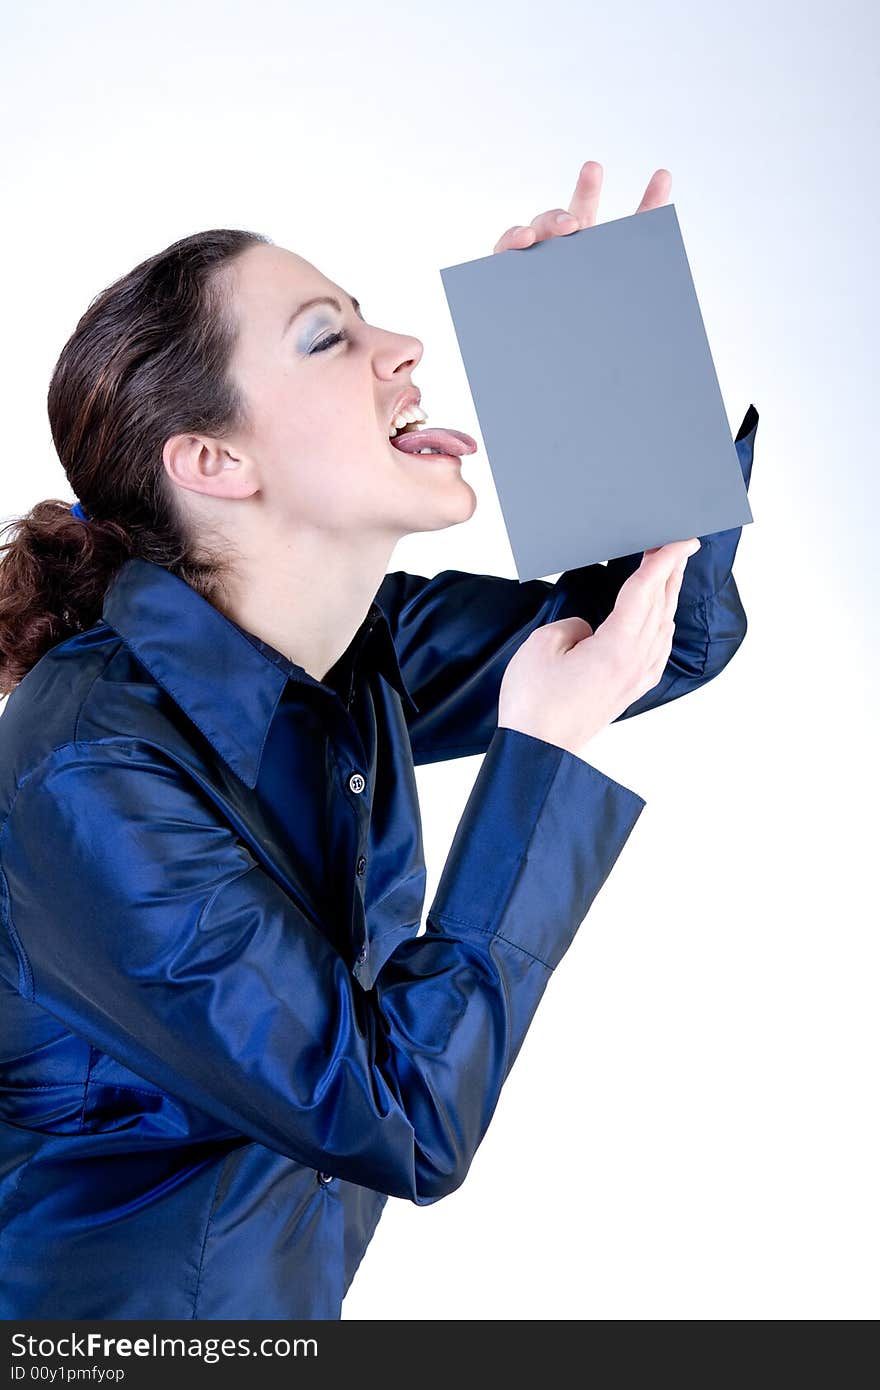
(204,464)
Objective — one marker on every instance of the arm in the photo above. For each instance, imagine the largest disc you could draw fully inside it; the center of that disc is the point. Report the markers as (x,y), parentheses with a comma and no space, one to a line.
(455,633)
(135,916)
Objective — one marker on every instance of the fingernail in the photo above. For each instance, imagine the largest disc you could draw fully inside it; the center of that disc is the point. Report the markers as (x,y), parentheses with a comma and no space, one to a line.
(564,217)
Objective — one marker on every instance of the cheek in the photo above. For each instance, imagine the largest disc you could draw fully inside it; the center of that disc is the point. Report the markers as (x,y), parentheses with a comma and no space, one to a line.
(330,488)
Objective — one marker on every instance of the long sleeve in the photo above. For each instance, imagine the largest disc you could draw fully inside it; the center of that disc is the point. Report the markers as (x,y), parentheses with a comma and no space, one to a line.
(137,917)
(455,633)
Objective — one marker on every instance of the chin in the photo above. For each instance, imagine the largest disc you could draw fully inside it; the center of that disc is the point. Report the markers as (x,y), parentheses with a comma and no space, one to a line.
(459,506)
(434,508)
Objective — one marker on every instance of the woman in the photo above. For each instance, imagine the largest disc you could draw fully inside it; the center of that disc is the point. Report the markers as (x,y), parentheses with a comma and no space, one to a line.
(225,1040)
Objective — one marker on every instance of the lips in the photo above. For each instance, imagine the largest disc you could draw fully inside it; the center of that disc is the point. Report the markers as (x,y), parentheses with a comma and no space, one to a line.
(411,396)
(445,441)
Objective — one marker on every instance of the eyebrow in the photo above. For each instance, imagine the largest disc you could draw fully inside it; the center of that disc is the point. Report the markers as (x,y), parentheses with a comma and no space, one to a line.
(321,299)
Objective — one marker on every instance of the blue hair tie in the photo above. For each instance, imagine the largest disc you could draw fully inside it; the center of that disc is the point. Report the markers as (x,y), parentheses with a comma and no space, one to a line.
(77,510)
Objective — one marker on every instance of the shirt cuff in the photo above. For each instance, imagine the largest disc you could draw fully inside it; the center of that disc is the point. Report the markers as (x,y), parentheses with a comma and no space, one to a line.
(539,835)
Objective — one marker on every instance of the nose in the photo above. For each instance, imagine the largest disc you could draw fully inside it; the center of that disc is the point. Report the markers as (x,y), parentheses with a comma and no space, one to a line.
(401,353)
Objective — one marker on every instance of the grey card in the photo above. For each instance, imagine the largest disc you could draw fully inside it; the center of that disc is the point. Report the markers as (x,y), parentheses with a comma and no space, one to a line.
(596,393)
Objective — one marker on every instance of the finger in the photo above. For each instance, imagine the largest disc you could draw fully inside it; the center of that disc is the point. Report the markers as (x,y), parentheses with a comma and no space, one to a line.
(660,649)
(657,191)
(661,642)
(673,589)
(671,554)
(574,635)
(584,203)
(641,599)
(673,585)
(514,239)
(676,578)
(556,222)
(566,632)
(637,599)
(641,592)
(658,631)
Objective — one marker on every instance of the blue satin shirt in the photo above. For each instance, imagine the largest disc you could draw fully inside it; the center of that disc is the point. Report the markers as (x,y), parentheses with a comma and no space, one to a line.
(225,1039)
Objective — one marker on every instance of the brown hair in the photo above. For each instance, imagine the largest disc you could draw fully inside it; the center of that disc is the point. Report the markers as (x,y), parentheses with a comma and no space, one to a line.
(147,360)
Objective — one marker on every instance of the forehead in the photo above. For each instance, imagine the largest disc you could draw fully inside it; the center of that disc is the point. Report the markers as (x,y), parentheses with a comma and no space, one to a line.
(268,282)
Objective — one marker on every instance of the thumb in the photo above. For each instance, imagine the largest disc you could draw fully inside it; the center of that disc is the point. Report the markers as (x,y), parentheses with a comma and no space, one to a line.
(569,631)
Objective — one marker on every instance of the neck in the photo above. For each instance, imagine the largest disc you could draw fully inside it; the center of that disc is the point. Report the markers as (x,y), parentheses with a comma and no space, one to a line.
(308,597)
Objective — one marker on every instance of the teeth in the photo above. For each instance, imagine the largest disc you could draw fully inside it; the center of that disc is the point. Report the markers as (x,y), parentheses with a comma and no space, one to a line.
(413,414)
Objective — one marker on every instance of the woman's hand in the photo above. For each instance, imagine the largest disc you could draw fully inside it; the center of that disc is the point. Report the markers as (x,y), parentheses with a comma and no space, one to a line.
(565,682)
(581,211)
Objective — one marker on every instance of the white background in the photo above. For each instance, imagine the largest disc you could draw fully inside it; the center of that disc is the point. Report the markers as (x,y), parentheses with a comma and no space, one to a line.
(690,1131)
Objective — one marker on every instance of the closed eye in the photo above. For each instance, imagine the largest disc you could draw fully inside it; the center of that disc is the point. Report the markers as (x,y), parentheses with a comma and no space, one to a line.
(328,342)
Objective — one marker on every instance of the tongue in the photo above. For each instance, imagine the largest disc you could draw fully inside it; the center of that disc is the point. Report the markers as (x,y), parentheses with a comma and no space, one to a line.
(446,441)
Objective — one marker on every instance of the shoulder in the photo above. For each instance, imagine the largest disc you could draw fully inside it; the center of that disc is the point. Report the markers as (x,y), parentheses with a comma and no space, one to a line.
(88,693)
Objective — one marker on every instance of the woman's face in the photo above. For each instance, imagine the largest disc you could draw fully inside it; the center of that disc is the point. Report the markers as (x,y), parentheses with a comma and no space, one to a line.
(321,385)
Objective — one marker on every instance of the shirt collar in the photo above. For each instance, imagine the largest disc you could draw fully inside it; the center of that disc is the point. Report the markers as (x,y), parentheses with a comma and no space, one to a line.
(226,680)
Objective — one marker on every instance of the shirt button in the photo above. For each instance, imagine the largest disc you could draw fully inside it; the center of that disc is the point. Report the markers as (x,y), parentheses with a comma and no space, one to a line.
(361,864)
(356,782)
(325,1177)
